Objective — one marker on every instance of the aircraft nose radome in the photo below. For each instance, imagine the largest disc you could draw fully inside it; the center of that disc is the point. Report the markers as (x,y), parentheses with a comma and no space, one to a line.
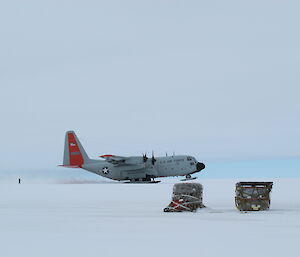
(200,166)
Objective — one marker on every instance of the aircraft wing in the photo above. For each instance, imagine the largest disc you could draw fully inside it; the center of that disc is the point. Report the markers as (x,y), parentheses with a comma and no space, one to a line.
(114,159)
(136,162)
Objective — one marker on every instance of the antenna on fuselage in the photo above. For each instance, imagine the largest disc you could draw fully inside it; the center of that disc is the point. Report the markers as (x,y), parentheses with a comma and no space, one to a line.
(166,154)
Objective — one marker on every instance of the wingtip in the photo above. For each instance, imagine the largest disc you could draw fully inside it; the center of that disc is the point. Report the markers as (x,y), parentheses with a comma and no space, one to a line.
(106,155)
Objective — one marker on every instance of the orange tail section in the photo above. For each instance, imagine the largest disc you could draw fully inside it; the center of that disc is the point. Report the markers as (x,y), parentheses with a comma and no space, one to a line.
(74,154)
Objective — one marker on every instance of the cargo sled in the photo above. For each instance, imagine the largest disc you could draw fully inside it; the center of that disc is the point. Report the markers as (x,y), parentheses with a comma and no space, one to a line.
(186,197)
(253,196)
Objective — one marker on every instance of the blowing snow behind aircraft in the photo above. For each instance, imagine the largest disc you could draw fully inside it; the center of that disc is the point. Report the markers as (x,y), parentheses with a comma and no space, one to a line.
(133,168)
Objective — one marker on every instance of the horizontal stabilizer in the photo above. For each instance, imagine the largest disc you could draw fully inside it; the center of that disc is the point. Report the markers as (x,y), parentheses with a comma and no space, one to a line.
(69,166)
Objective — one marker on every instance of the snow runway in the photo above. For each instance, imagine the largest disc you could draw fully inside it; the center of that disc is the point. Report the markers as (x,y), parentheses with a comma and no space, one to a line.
(115,219)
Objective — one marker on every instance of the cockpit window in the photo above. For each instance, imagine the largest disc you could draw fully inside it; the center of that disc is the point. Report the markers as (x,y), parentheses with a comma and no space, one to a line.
(189,158)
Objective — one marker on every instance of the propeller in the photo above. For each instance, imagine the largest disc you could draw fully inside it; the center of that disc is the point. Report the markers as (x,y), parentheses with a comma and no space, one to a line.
(145,158)
(153,160)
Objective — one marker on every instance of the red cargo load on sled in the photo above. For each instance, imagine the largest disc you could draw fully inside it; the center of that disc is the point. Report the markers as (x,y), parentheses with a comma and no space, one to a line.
(186,197)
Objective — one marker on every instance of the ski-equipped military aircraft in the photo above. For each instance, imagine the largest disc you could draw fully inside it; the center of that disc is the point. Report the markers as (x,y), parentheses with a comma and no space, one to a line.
(131,169)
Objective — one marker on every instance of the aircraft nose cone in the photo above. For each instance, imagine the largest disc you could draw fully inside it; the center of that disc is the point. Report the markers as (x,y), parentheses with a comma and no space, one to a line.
(200,166)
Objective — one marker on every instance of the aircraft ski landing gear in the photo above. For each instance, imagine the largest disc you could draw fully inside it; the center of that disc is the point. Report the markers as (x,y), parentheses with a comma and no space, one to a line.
(142,182)
(145,180)
(188,177)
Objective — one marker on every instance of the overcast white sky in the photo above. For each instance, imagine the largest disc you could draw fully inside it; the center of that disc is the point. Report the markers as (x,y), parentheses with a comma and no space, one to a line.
(215,79)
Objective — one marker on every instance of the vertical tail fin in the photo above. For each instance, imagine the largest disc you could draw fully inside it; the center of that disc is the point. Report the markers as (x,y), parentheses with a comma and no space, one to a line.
(74,154)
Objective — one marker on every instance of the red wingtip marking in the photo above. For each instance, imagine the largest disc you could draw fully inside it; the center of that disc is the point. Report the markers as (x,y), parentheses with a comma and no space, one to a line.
(106,155)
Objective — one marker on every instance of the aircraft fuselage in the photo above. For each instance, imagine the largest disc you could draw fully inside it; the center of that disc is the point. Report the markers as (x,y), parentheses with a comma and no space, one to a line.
(178,165)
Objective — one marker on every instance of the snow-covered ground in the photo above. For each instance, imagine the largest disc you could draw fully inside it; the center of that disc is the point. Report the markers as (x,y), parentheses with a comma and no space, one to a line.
(114,219)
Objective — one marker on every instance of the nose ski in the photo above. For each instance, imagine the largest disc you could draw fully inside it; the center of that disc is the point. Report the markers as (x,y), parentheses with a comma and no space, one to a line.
(188,177)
